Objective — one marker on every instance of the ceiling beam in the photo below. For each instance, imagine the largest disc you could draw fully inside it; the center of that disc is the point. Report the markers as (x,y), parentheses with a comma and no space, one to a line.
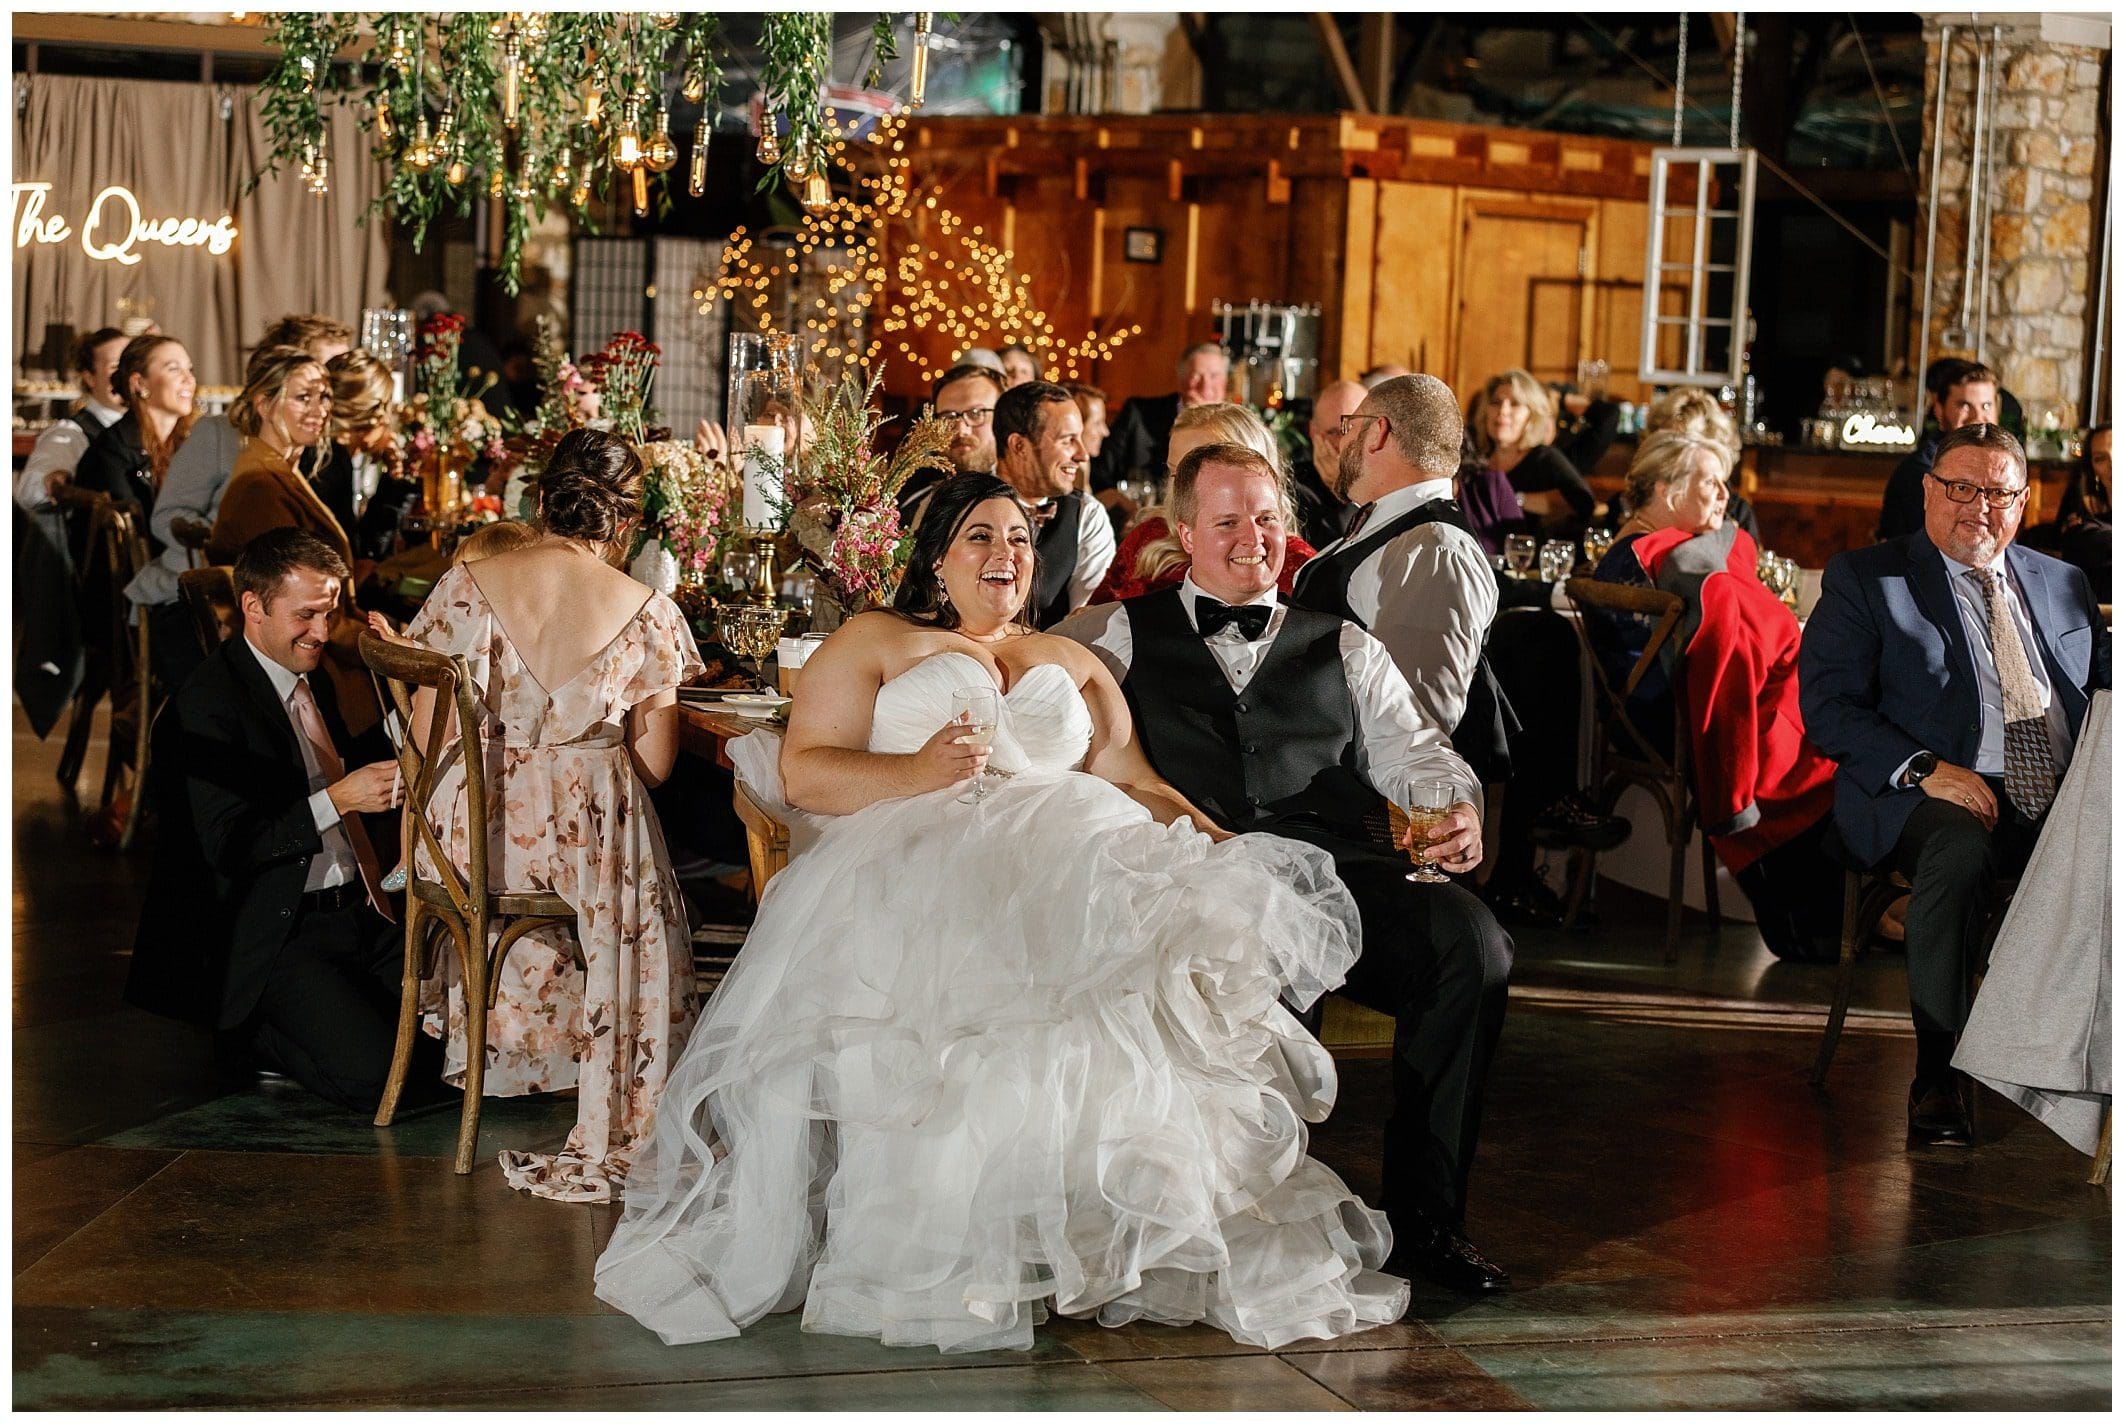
(97,31)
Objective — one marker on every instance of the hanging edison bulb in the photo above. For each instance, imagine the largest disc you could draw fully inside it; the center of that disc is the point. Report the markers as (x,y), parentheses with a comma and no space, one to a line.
(770,141)
(512,79)
(420,154)
(401,54)
(383,119)
(664,19)
(696,86)
(526,189)
(581,196)
(321,176)
(593,105)
(697,163)
(563,166)
(457,170)
(496,181)
(799,165)
(309,72)
(918,79)
(817,194)
(660,153)
(627,140)
(446,126)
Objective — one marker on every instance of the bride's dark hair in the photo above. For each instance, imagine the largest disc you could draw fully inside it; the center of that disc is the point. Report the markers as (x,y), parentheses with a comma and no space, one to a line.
(921,597)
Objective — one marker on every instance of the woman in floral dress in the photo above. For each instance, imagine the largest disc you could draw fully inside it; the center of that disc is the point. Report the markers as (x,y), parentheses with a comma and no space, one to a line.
(576,673)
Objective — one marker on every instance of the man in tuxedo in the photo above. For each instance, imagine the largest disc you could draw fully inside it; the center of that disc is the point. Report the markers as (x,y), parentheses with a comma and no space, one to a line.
(1275,718)
(1040,444)
(1947,674)
(264,919)
(1144,426)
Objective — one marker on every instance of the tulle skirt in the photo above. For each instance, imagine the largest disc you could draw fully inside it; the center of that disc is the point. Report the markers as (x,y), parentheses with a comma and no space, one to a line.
(976,1063)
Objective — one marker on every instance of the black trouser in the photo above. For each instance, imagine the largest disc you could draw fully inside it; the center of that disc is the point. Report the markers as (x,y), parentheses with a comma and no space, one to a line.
(1797,893)
(1951,861)
(1535,656)
(1435,960)
(328,1016)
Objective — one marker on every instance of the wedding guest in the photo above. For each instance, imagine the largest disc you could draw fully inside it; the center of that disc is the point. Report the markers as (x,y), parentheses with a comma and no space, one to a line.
(1276,718)
(59,448)
(1033,1042)
(1957,393)
(1323,515)
(1513,422)
(281,414)
(363,479)
(1145,423)
(264,917)
(1762,790)
(129,458)
(1409,571)
(1151,556)
(49,662)
(1091,406)
(200,471)
(1947,674)
(2083,527)
(966,395)
(1692,410)
(1040,443)
(576,672)
(1019,365)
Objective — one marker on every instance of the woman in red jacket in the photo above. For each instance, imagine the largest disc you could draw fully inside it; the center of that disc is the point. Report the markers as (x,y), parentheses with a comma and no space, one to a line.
(1762,789)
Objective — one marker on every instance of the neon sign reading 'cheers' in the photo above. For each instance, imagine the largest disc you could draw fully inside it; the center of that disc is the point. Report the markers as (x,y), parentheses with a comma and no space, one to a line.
(114,227)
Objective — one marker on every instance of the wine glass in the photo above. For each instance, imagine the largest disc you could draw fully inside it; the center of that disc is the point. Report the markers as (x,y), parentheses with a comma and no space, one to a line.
(980,706)
(1557,556)
(741,572)
(751,631)
(1597,542)
(1520,553)
(1428,805)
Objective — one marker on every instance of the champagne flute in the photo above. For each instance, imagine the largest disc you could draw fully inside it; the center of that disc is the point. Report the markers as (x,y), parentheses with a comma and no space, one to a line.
(979,705)
(1520,552)
(1429,805)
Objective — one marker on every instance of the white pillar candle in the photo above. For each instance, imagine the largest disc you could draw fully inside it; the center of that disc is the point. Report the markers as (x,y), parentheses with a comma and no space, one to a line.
(763,487)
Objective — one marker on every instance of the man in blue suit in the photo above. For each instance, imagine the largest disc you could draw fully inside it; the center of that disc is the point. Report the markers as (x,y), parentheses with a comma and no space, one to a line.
(1947,674)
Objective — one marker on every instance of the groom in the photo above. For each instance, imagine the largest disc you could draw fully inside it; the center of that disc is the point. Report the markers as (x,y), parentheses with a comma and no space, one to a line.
(1279,719)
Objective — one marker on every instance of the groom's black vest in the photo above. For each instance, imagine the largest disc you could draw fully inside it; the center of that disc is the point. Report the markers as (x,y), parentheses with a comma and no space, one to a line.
(1487,722)
(1283,748)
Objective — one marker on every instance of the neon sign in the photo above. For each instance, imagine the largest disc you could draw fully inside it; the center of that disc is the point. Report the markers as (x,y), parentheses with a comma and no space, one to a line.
(1862,429)
(114,227)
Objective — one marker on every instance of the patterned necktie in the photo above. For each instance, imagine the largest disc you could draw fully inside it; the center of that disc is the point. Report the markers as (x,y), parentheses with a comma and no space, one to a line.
(2031,775)
(312,724)
(1357,522)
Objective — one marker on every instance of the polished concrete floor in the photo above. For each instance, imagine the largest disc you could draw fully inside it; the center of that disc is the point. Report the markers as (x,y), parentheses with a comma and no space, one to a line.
(1689,1224)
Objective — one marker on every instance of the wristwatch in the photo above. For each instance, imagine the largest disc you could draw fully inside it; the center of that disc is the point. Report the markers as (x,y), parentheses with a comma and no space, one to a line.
(1921,766)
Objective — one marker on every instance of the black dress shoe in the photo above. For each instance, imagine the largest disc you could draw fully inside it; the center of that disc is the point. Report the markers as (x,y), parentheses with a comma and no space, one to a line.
(1449,1259)
(1939,1113)
(1571,822)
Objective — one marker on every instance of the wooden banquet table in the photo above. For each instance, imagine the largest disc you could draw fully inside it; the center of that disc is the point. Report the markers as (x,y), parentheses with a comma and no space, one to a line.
(705,731)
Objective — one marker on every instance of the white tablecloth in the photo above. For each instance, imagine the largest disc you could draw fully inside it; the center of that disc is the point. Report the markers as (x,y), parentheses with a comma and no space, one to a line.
(2039,1030)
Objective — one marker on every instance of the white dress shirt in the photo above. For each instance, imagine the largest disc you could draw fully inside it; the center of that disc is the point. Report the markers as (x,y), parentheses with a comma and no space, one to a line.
(336,865)
(1976,625)
(1095,551)
(59,448)
(1396,740)
(1429,594)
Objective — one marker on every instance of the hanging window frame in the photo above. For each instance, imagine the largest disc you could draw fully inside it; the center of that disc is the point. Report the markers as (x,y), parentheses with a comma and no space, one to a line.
(1698,322)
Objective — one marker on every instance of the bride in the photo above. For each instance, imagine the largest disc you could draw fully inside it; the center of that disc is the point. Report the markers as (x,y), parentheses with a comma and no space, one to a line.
(980,1061)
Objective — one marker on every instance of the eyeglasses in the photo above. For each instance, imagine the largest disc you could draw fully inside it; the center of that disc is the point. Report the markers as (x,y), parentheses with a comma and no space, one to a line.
(976,418)
(1344,425)
(1961,492)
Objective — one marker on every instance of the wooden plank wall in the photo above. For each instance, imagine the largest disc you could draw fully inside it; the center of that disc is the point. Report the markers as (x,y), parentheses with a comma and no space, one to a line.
(1367,217)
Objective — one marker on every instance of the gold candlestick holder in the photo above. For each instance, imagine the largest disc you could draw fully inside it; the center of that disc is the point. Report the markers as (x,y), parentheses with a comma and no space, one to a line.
(769,583)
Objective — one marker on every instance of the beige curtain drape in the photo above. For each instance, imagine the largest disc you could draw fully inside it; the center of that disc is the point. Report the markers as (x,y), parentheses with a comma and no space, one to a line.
(170,145)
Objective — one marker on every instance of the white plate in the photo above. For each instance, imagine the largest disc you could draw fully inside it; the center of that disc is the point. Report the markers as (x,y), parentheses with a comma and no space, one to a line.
(752,709)
(755,699)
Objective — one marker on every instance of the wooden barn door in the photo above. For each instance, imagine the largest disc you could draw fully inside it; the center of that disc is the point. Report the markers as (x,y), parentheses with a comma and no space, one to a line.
(1525,272)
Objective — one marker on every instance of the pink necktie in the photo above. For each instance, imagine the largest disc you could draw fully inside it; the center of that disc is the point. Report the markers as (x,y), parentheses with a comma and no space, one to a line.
(328,762)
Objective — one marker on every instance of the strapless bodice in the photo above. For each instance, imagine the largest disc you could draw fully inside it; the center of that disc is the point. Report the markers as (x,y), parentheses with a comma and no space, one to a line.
(1043,723)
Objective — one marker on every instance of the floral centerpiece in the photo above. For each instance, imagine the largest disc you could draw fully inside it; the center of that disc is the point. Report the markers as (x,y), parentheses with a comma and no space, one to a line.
(623,373)
(687,501)
(840,501)
(445,427)
(569,401)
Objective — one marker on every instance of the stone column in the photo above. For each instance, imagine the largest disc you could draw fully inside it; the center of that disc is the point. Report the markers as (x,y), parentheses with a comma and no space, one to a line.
(2044,94)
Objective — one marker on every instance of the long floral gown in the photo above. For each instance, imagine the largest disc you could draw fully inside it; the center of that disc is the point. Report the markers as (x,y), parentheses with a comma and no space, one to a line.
(568,815)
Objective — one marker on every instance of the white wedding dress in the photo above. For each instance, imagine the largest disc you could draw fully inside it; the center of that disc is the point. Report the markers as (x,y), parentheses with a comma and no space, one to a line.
(977,1062)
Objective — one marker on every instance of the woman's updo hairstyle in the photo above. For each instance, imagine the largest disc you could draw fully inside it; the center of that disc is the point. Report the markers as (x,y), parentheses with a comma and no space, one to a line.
(591,488)
(265,376)
(361,393)
(921,594)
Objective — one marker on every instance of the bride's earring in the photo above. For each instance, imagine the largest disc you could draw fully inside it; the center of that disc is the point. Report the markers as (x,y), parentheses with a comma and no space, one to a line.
(943,593)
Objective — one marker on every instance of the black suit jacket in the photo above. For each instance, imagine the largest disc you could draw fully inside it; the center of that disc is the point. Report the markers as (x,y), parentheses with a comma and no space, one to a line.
(236,839)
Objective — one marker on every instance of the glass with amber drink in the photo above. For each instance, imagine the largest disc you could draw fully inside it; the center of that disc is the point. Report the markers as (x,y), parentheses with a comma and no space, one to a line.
(1429,806)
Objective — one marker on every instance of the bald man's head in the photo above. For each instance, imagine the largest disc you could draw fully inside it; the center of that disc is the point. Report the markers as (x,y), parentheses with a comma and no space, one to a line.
(1335,400)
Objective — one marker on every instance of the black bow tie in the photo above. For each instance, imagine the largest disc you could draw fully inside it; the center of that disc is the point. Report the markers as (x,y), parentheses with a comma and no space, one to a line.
(1212,616)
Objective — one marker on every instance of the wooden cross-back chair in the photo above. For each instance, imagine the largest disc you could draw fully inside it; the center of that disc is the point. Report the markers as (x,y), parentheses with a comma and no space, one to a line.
(209,595)
(484,923)
(116,550)
(1624,756)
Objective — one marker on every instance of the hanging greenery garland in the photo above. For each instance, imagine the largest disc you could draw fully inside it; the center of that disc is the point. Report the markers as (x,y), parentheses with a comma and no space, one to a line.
(536,110)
